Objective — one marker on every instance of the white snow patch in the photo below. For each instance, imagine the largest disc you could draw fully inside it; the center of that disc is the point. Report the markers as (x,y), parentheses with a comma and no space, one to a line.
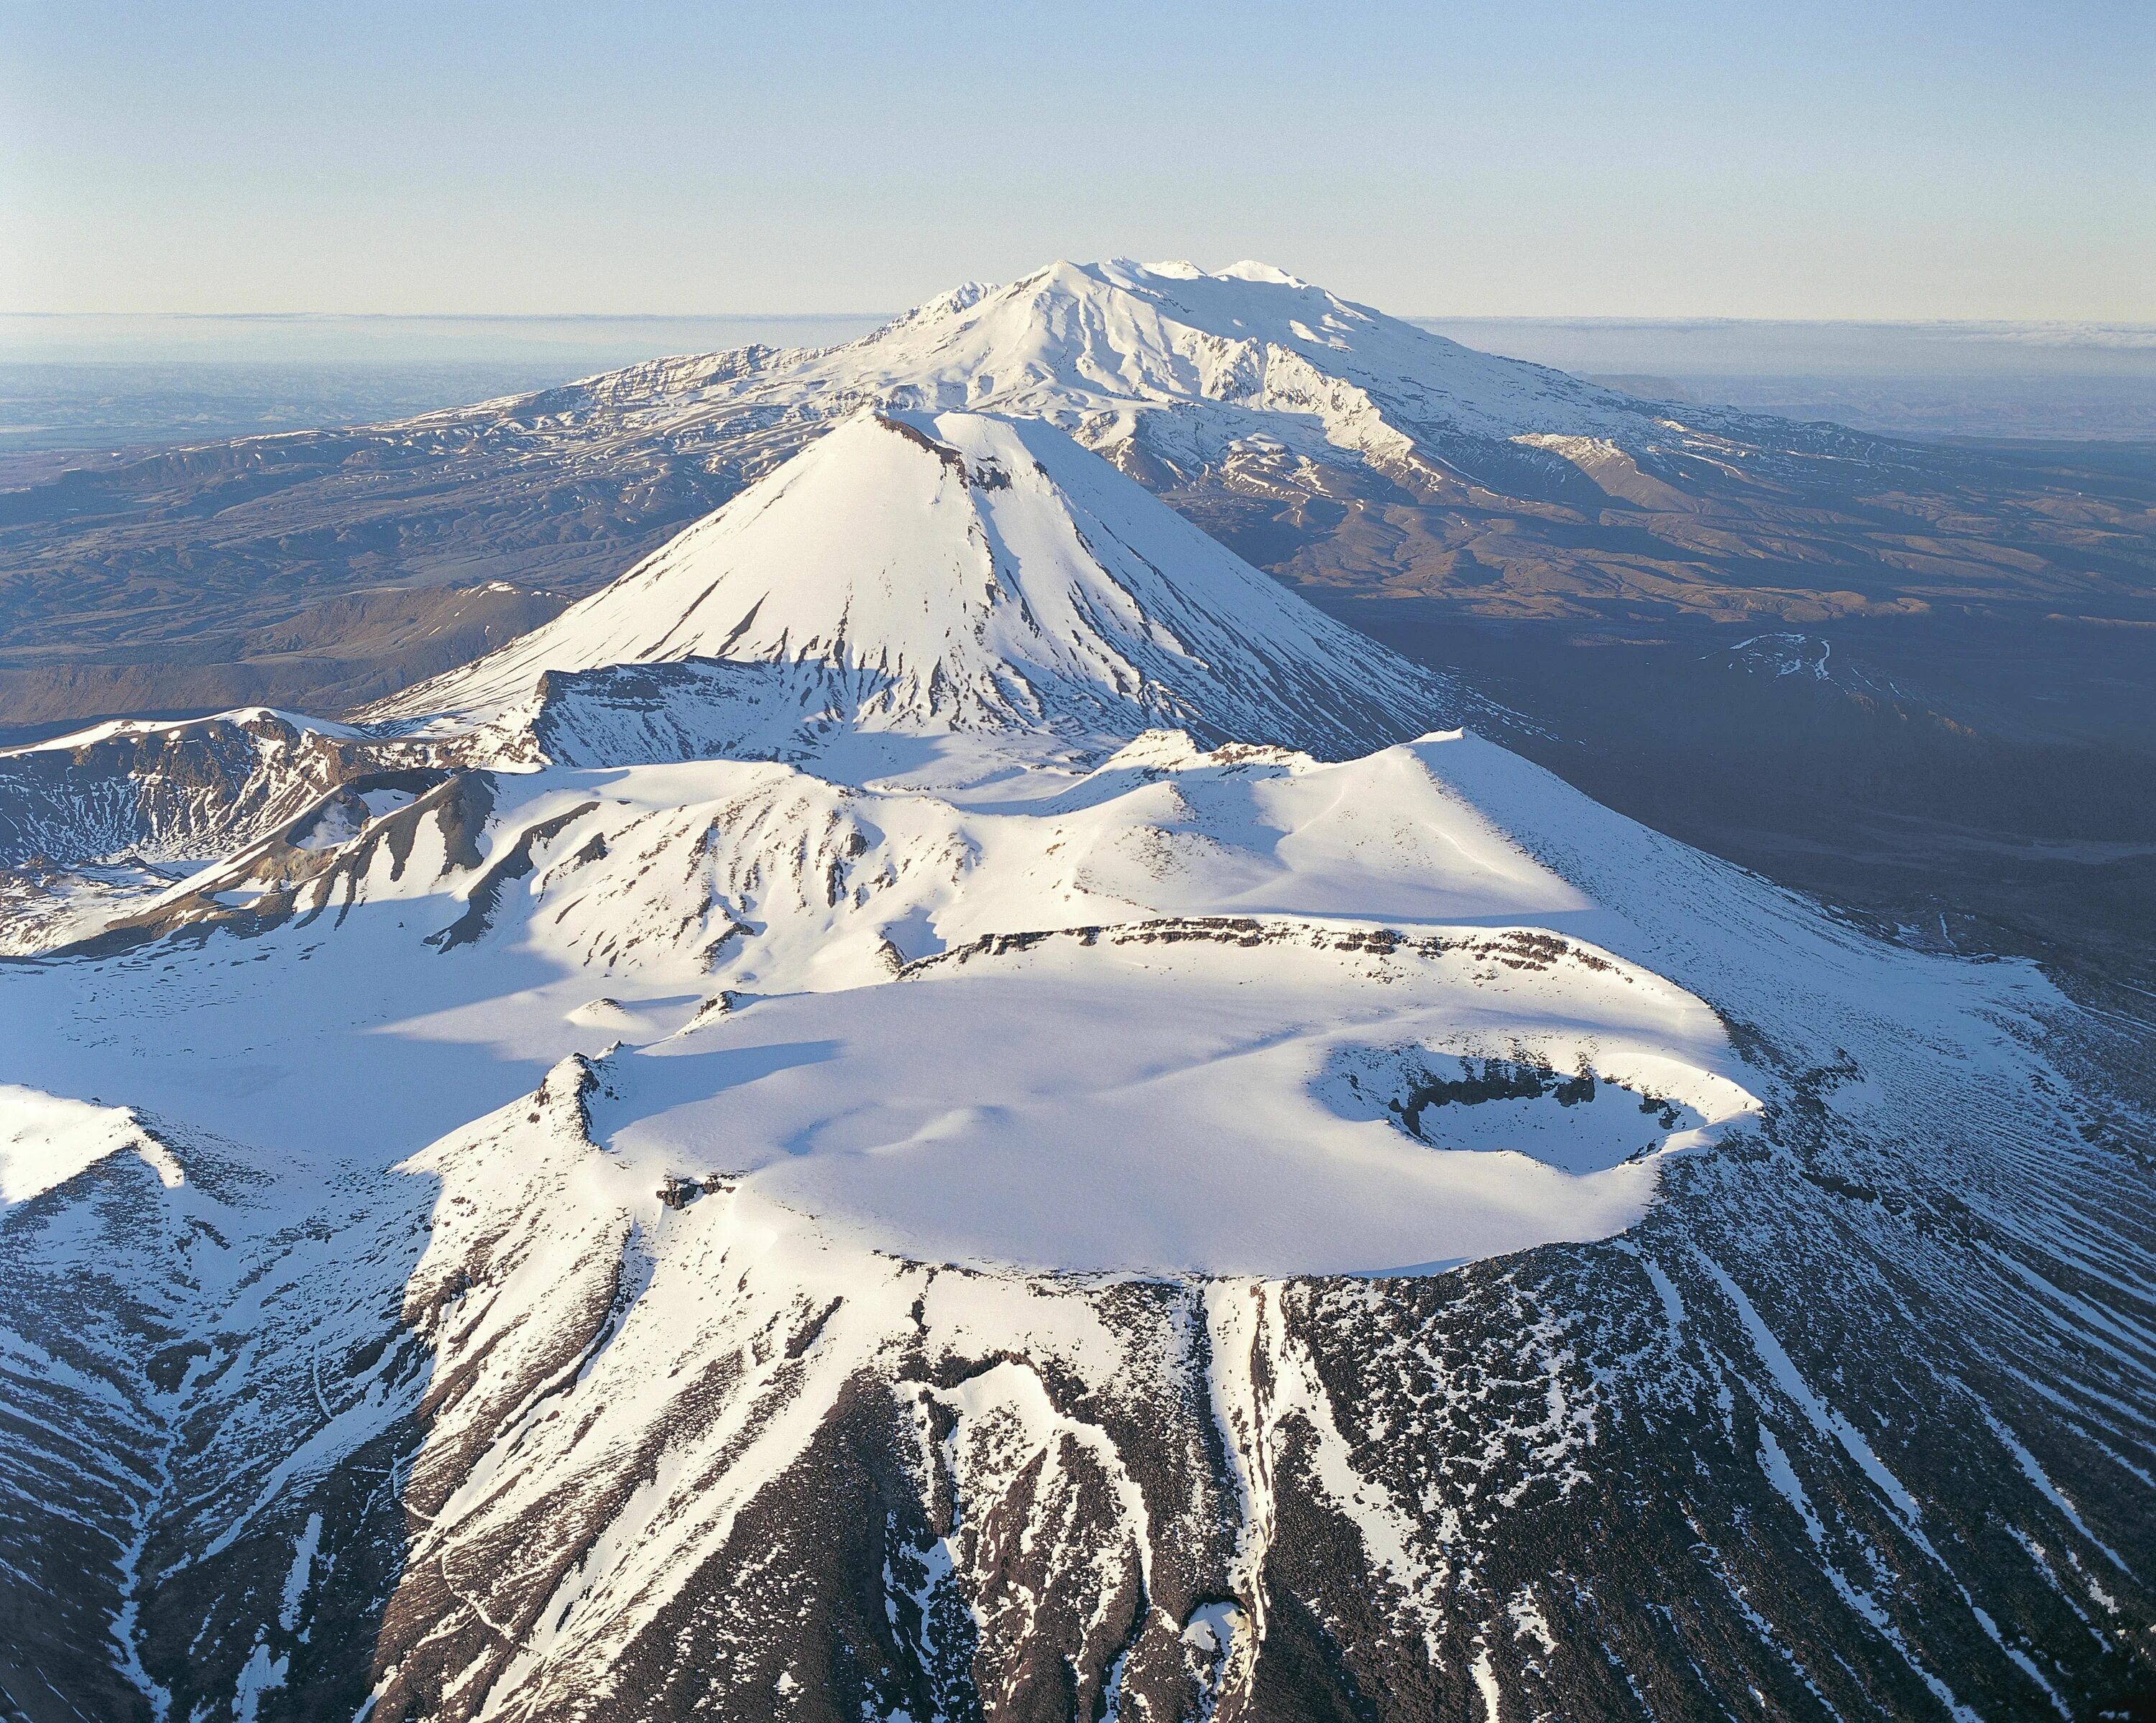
(301,1570)
(261,1673)
(1485,1672)
(45,1139)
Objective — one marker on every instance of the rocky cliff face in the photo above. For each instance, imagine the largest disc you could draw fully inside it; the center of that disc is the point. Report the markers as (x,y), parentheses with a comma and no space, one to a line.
(163,793)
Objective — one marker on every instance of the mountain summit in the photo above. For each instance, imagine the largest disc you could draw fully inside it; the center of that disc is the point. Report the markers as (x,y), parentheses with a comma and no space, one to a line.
(1103,336)
(956,571)
(1145,362)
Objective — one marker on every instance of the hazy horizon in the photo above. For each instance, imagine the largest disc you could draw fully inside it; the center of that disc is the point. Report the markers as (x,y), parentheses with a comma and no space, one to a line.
(171,336)
(83,381)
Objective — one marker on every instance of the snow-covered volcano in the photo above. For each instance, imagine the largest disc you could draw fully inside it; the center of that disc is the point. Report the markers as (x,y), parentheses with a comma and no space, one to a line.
(1079,339)
(1147,363)
(956,571)
(590,1204)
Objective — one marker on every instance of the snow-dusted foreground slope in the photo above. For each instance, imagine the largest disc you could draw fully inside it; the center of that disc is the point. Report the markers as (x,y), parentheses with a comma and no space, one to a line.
(684,1177)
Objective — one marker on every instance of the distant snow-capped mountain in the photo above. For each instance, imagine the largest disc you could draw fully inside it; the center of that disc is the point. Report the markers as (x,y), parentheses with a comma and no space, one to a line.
(1327,440)
(1147,364)
(1075,341)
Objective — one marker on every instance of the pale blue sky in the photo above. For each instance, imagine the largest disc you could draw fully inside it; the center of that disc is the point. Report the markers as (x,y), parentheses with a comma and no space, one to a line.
(1890,159)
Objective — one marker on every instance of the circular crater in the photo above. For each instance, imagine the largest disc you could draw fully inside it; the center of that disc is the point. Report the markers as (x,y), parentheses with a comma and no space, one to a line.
(1273,1097)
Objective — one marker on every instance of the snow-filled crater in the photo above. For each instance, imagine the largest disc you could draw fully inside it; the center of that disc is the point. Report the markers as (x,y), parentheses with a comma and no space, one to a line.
(1245,1096)
(1580,1121)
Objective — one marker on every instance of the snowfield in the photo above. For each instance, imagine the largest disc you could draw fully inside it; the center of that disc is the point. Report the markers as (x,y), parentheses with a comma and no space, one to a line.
(1155,1105)
(945,1102)
(881,952)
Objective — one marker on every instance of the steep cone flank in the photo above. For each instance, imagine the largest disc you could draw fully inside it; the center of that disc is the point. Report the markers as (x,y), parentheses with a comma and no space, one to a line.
(966,572)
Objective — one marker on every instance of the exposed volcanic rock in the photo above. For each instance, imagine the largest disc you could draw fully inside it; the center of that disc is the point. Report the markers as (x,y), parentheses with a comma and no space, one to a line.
(163,792)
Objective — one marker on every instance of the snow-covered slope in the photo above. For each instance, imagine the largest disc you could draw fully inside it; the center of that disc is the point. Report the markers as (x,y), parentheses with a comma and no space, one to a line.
(967,573)
(624,1197)
(692,1141)
(1235,982)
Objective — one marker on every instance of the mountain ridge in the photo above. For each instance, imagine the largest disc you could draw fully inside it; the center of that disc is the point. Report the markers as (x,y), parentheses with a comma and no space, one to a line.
(1096,348)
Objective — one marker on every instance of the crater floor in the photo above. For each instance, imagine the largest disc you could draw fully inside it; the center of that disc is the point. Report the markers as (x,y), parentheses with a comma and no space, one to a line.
(1170,1097)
